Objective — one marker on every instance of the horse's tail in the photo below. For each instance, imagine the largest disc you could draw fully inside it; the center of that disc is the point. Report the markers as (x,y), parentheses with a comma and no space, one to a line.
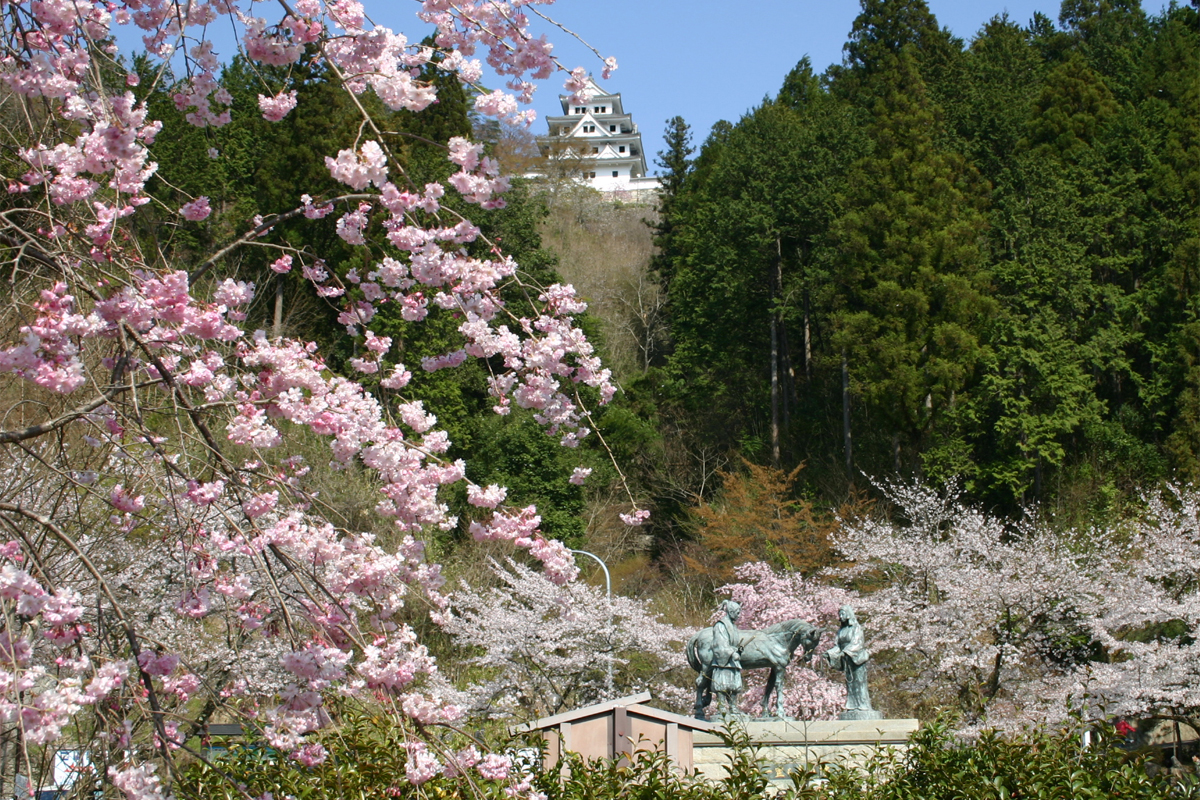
(693,658)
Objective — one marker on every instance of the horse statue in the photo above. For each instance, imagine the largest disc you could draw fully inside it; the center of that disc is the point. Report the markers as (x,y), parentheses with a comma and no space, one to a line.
(771,647)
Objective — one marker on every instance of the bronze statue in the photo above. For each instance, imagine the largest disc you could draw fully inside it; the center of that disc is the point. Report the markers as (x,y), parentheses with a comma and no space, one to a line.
(769,648)
(850,655)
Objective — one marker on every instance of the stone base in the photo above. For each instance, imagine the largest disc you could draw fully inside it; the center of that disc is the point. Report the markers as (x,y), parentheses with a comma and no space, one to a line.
(785,746)
(859,713)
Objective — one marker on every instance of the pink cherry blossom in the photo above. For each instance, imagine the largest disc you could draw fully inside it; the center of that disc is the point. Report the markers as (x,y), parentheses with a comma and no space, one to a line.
(210,561)
(196,210)
(635,518)
(276,108)
(579,630)
(358,170)
(421,766)
(137,783)
(124,501)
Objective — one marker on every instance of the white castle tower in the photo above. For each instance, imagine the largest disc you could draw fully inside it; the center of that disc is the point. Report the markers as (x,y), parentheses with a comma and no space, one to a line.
(606,142)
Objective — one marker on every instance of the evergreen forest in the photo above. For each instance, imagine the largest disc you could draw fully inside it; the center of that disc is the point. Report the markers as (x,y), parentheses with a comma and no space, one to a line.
(952,261)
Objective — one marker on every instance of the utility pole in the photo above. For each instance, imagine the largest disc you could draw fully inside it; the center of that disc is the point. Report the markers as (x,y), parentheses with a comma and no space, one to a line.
(608,675)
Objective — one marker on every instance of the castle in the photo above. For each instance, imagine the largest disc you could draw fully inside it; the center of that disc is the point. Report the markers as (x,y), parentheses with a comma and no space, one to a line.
(605,143)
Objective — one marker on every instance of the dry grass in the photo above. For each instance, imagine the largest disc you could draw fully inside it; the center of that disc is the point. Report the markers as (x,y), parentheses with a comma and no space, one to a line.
(604,250)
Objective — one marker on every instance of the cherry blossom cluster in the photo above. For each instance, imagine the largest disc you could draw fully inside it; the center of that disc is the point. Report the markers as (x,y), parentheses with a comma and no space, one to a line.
(541,647)
(187,553)
(44,680)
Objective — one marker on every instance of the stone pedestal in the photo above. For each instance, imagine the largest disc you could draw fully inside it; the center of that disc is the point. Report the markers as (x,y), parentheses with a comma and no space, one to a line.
(784,746)
(859,713)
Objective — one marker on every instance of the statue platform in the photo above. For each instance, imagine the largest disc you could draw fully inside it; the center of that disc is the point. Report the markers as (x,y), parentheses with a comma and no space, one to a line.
(626,726)
(786,745)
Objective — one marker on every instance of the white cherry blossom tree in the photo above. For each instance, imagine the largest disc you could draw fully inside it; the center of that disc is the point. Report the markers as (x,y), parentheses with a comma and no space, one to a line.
(544,647)
(1019,623)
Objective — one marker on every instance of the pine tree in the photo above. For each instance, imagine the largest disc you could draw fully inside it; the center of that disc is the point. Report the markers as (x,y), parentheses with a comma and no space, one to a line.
(677,163)
(884,29)
(752,274)
(912,298)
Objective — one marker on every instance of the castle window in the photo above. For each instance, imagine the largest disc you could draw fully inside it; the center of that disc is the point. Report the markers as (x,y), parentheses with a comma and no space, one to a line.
(612,128)
(621,149)
(614,173)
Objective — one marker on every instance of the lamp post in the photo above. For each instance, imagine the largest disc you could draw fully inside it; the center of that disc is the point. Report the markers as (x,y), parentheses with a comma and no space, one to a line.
(608,675)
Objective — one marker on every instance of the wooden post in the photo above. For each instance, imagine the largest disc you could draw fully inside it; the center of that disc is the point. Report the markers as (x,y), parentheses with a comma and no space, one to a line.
(622,735)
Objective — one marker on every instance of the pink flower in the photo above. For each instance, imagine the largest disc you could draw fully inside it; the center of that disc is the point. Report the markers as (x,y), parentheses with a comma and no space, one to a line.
(464,153)
(494,767)
(636,518)
(234,293)
(194,603)
(260,504)
(351,225)
(196,210)
(276,108)
(358,170)
(137,783)
(183,686)
(378,344)
(398,379)
(282,265)
(124,501)
(154,664)
(310,755)
(203,494)
(556,559)
(580,475)
(490,497)
(421,765)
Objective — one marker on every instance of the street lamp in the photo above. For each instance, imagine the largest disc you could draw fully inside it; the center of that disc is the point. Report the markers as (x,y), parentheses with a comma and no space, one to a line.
(608,676)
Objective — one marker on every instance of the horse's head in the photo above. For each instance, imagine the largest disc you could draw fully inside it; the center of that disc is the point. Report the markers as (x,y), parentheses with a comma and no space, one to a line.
(812,637)
(804,635)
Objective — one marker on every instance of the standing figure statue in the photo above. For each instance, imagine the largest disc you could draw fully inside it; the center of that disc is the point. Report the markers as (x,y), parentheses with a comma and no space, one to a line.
(850,655)
(727,659)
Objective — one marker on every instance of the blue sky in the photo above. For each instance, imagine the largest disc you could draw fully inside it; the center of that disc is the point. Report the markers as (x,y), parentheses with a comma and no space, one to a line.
(702,59)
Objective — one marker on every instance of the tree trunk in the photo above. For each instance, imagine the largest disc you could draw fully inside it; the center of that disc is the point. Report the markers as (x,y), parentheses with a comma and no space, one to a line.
(774,388)
(846,418)
(787,390)
(807,338)
(993,684)
(277,328)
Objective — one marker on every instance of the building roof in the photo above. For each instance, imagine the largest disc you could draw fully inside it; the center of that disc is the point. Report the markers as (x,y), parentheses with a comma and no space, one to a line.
(596,93)
(632,704)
